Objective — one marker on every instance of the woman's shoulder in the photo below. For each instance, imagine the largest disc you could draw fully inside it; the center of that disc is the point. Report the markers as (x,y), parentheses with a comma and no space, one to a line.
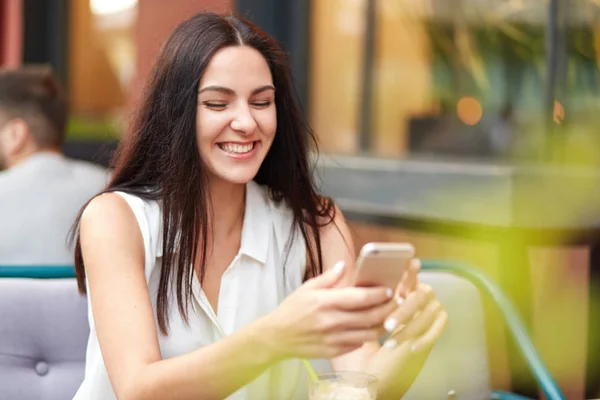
(139,201)
(107,216)
(106,206)
(123,211)
(119,202)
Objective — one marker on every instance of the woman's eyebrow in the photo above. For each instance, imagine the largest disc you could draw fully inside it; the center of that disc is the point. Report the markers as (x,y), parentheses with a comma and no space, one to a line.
(230,92)
(262,89)
(220,89)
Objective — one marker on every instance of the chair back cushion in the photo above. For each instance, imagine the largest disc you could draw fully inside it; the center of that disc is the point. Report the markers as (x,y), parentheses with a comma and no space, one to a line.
(457,367)
(43,337)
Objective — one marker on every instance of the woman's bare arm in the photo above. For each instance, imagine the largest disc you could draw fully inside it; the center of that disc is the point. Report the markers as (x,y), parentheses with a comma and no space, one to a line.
(113,253)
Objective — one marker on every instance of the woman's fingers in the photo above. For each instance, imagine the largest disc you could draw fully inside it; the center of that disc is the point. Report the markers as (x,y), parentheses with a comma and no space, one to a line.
(414,303)
(327,279)
(355,299)
(409,281)
(413,280)
(421,322)
(430,337)
(372,318)
(428,325)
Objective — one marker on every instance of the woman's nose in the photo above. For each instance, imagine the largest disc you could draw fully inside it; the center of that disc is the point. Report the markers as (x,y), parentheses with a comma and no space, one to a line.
(243,121)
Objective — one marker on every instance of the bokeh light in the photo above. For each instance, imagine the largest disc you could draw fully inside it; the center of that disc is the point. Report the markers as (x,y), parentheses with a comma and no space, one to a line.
(469,110)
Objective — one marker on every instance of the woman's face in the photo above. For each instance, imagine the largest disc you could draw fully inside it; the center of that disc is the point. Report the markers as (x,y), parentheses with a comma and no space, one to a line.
(236,119)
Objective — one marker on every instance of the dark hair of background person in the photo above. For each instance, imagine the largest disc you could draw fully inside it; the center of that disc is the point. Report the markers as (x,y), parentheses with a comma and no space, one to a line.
(33,94)
(158,158)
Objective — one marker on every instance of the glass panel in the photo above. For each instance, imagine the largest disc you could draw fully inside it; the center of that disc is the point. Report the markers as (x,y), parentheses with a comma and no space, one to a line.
(101,65)
(403,76)
(461,78)
(336,53)
(578,91)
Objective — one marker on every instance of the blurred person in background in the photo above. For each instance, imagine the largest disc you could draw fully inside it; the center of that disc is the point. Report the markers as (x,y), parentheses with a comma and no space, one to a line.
(40,189)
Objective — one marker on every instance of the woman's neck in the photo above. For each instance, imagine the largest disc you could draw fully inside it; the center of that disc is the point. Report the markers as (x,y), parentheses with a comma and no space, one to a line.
(228,205)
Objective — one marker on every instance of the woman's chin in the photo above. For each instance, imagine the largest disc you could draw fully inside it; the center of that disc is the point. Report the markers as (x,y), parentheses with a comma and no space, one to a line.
(236,177)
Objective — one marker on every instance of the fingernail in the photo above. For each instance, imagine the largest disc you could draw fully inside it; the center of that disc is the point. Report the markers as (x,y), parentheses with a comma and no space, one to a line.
(399,300)
(390,344)
(338,267)
(417,262)
(389,292)
(390,324)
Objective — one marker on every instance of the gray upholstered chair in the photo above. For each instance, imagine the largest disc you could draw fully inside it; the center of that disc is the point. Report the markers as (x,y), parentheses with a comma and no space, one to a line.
(43,336)
(457,367)
(44,330)
(514,324)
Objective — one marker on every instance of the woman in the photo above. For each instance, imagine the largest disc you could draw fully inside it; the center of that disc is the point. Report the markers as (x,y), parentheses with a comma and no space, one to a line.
(196,254)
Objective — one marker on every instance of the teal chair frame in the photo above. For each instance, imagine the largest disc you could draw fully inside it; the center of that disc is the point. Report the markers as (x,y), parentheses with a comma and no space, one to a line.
(515,326)
(37,271)
(514,323)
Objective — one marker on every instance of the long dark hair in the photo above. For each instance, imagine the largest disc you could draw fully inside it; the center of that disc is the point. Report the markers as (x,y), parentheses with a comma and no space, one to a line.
(158,158)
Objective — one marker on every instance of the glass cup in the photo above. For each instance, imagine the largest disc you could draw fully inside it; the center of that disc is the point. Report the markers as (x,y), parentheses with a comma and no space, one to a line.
(343,385)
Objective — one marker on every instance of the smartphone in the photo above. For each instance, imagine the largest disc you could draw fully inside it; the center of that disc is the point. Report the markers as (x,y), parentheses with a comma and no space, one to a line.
(383,264)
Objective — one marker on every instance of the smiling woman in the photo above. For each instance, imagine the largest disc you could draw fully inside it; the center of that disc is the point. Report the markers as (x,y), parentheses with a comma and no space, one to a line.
(196,257)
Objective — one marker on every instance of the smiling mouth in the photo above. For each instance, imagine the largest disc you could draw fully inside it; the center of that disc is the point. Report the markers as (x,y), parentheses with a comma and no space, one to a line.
(236,148)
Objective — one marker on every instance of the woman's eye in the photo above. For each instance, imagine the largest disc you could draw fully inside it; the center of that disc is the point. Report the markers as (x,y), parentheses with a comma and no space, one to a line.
(261,104)
(215,106)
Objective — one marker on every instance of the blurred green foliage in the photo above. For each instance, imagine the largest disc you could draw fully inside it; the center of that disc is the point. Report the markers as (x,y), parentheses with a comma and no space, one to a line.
(82,128)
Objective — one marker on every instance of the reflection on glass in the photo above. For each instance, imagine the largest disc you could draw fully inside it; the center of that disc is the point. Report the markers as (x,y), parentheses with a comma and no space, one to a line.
(458,78)
(101,65)
(578,92)
(337,31)
(454,78)
(402,73)
(107,7)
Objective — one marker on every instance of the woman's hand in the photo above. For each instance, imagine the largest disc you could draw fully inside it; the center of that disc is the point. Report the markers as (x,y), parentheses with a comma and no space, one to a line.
(321,321)
(407,285)
(420,319)
(418,323)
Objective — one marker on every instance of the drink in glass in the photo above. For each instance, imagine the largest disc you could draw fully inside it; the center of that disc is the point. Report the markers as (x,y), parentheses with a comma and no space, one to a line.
(343,386)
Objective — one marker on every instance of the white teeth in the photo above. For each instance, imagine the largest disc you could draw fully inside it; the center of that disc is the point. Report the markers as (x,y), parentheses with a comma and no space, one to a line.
(236,148)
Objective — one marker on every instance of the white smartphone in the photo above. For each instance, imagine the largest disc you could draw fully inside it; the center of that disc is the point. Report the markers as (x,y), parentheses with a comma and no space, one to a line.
(383,264)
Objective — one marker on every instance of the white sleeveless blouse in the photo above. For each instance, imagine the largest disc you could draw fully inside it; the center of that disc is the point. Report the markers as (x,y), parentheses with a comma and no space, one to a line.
(252,286)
